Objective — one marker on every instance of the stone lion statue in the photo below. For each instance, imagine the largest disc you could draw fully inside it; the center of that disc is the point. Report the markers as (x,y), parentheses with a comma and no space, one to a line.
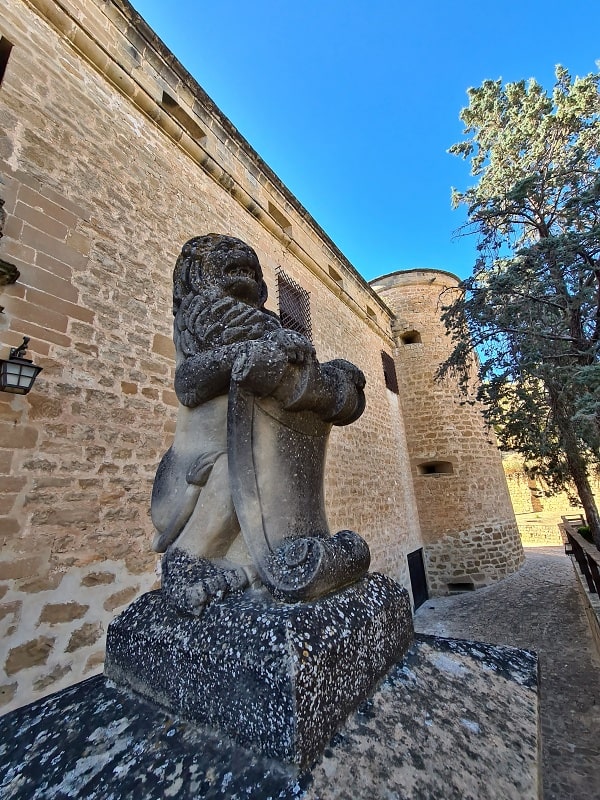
(248,454)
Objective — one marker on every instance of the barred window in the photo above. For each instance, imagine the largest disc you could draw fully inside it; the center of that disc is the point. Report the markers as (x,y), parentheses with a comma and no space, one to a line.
(389,372)
(294,305)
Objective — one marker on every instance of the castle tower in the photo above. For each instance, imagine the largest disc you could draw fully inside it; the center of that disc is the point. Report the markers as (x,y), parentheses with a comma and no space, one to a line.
(467,522)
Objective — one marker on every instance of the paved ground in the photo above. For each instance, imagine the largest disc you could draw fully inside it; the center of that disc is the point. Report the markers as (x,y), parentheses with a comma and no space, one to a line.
(540,609)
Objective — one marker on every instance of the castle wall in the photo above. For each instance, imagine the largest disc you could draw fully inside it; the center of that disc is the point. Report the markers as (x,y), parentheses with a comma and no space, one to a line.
(467,521)
(110,158)
(539,515)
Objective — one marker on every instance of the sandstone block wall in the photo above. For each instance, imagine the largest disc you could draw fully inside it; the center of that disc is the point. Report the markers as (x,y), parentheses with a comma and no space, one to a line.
(466,517)
(110,158)
(539,515)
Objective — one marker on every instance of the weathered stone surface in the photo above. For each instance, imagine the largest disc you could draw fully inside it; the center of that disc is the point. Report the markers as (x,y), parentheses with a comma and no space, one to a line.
(541,608)
(163,345)
(119,598)
(98,578)
(21,436)
(62,612)
(278,677)
(140,563)
(43,408)
(29,654)
(256,410)
(94,661)
(19,567)
(88,634)
(455,721)
(539,516)
(54,675)
(42,583)
(466,519)
(7,692)
(10,609)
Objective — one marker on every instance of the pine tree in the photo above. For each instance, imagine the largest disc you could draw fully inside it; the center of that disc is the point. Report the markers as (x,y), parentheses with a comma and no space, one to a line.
(528,319)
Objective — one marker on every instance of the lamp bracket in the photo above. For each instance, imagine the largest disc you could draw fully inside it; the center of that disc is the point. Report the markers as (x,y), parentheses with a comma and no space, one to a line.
(19,352)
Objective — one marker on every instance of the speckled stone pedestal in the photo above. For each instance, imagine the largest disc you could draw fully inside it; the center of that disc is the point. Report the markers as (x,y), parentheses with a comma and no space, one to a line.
(277,678)
(454,720)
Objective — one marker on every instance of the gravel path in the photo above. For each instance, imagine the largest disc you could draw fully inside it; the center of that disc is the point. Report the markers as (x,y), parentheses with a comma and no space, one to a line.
(540,608)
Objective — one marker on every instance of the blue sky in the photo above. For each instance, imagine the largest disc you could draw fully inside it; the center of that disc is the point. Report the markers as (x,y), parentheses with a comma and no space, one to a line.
(354,104)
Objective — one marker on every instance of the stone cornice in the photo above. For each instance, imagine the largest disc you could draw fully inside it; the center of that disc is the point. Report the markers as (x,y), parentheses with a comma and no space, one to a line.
(404,277)
(131,25)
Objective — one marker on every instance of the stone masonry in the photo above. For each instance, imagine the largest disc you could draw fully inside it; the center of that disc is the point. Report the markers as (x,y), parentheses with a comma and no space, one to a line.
(467,523)
(111,156)
(539,515)
(102,186)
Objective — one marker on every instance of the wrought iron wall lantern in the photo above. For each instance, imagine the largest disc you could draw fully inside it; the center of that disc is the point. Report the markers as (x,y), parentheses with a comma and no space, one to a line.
(17,374)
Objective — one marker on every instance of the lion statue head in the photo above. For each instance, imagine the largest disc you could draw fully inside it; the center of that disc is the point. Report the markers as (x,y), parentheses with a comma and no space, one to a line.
(218,294)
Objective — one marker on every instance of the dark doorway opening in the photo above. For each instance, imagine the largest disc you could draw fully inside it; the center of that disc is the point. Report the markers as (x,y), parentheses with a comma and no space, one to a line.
(5,48)
(418,579)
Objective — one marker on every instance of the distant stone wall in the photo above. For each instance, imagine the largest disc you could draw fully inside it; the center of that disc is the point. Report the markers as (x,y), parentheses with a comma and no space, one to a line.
(467,522)
(520,490)
(539,515)
(539,533)
(110,158)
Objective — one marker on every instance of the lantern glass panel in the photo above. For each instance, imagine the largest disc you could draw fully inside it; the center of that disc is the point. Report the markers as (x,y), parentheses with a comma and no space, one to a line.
(17,377)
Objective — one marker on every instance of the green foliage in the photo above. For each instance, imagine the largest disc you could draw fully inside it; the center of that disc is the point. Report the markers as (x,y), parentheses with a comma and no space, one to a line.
(531,309)
(584,531)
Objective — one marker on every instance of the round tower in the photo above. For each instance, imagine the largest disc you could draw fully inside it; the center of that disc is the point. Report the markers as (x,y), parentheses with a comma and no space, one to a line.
(469,530)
